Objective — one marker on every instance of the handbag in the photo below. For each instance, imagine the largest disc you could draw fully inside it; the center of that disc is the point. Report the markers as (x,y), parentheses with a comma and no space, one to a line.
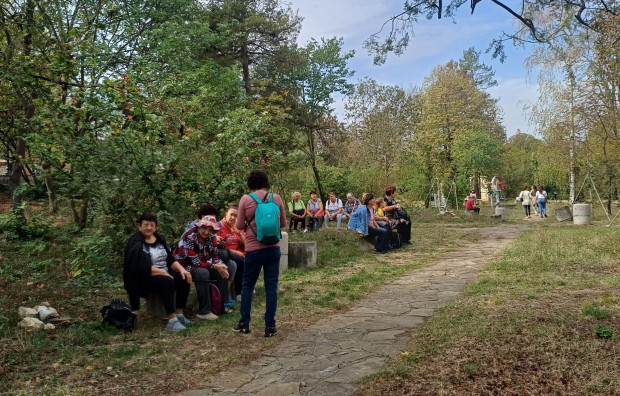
(118,314)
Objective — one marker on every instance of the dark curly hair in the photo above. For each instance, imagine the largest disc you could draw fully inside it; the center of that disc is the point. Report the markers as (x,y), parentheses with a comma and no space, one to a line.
(148,216)
(390,190)
(257,180)
(206,210)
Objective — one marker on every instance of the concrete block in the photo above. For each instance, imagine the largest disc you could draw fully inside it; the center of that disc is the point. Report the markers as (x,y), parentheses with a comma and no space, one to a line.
(284,243)
(155,306)
(563,213)
(283,262)
(302,254)
(367,244)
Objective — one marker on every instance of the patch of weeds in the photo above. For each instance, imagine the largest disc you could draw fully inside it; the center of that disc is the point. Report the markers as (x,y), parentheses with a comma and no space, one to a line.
(613,281)
(410,357)
(603,332)
(401,370)
(470,368)
(592,309)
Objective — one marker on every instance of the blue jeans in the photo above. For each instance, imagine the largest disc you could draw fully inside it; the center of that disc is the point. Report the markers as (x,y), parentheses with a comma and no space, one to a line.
(269,260)
(542,206)
(382,238)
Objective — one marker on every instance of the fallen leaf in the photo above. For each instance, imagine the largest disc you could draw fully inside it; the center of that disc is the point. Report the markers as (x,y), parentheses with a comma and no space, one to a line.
(90,368)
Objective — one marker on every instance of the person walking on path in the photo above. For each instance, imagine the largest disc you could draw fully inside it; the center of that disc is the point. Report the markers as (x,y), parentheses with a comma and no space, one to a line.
(541,200)
(259,255)
(526,200)
(533,190)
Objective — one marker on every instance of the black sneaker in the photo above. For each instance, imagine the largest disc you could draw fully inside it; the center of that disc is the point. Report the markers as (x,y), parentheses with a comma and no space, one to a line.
(271,331)
(242,328)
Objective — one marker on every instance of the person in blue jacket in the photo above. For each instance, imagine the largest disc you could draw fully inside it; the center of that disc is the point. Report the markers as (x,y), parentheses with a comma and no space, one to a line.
(363,222)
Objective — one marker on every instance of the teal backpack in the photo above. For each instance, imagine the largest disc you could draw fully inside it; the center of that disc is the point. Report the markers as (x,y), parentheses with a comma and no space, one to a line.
(267,219)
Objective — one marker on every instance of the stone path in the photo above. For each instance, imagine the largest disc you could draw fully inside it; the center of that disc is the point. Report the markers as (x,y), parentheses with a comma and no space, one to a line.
(333,355)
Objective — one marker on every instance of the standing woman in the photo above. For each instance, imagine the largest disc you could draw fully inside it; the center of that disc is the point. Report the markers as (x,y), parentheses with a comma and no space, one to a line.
(314,211)
(526,200)
(259,256)
(541,199)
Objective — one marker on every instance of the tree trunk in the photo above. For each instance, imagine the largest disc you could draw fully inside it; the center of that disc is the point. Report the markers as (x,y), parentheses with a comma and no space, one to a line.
(245,66)
(51,194)
(571,150)
(315,170)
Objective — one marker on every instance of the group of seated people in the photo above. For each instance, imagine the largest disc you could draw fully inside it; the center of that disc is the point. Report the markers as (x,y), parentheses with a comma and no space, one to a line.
(212,253)
(209,251)
(384,219)
(307,216)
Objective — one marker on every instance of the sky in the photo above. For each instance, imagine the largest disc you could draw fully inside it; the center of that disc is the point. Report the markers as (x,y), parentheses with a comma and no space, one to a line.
(435,43)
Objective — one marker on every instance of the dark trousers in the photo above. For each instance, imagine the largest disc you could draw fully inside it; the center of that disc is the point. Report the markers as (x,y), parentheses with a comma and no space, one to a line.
(268,260)
(295,221)
(238,281)
(528,209)
(382,238)
(166,286)
(403,227)
(202,277)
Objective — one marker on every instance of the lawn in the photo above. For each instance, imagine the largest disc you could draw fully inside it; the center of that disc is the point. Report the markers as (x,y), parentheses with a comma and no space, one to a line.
(88,359)
(543,318)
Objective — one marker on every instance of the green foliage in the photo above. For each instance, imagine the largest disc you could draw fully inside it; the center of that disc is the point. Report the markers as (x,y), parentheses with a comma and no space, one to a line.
(597,312)
(15,225)
(603,331)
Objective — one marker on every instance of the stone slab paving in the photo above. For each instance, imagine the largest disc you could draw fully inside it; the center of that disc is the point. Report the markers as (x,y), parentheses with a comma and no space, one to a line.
(333,355)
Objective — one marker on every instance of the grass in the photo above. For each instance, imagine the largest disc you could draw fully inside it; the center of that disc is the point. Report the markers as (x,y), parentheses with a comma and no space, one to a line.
(543,318)
(89,359)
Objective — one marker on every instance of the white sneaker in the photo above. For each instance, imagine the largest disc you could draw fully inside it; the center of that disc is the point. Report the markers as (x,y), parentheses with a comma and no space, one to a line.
(305,230)
(294,231)
(209,316)
(174,325)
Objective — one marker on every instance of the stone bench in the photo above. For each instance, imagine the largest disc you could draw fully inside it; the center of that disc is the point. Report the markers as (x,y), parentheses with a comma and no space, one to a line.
(367,243)
(302,254)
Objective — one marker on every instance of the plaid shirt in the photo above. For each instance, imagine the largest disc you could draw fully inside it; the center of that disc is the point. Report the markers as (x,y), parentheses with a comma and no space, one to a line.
(194,253)
(350,207)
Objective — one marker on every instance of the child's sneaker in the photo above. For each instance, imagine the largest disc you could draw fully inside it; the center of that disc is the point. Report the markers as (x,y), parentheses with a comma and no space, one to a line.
(174,325)
(209,316)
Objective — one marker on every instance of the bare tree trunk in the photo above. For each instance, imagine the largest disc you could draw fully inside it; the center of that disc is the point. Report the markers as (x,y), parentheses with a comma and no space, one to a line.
(51,194)
(571,150)
(245,66)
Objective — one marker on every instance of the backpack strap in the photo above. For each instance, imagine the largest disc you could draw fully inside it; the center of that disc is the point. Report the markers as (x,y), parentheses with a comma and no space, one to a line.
(258,201)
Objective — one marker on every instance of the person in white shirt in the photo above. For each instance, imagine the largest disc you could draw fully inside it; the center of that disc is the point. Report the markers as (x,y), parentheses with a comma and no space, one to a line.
(541,200)
(333,210)
(526,200)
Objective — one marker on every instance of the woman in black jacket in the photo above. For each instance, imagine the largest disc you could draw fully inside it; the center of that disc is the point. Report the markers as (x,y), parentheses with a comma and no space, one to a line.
(150,268)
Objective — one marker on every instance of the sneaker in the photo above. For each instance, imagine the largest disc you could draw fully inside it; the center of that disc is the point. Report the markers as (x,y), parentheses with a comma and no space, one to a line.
(527,217)
(305,231)
(174,325)
(545,215)
(294,231)
(238,298)
(271,331)
(243,328)
(183,320)
(209,316)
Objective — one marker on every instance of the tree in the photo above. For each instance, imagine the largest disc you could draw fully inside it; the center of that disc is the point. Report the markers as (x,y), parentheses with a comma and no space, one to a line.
(451,105)
(540,21)
(258,31)
(477,153)
(321,73)
(519,162)
(383,118)
(479,72)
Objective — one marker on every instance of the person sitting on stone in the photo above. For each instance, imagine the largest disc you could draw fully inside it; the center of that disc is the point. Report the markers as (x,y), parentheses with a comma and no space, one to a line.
(363,222)
(350,206)
(314,211)
(199,256)
(297,210)
(149,268)
(333,210)
(470,206)
(233,239)
(396,212)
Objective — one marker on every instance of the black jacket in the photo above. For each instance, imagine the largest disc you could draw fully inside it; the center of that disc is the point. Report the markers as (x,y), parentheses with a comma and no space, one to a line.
(137,267)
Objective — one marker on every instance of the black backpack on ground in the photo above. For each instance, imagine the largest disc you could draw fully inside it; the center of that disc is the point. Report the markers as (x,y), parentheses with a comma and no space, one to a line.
(119,315)
(395,240)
